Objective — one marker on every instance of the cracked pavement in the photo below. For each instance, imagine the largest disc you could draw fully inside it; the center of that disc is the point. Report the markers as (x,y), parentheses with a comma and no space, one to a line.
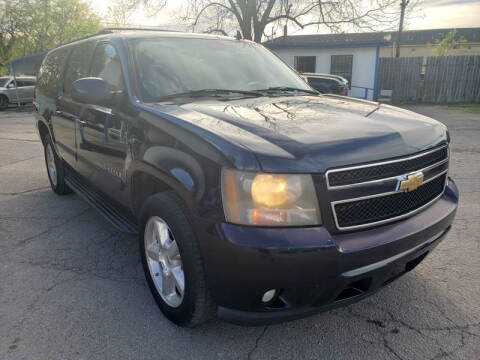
(72,287)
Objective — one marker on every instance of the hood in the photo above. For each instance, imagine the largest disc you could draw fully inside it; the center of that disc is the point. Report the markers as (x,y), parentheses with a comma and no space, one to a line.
(313,133)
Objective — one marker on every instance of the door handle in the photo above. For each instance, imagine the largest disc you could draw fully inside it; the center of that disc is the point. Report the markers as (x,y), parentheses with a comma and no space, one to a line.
(114,133)
(81,122)
(58,113)
(133,141)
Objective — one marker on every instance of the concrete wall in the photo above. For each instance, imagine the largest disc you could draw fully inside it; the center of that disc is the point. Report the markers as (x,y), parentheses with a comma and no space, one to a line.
(363,67)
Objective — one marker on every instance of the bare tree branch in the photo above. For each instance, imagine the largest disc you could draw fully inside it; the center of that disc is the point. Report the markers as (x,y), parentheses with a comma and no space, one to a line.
(206,7)
(254,17)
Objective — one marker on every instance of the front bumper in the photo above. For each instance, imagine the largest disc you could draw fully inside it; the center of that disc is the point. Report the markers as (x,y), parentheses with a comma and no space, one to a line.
(312,269)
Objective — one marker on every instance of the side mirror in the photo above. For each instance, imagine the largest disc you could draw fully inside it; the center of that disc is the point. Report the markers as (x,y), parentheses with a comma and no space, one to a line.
(11,86)
(92,90)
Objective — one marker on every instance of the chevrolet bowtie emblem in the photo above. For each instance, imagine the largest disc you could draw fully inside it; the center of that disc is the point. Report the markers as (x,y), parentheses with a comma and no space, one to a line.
(410,182)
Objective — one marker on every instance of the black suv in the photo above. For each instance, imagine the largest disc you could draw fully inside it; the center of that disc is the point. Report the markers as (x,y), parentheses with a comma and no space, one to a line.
(327,83)
(254,197)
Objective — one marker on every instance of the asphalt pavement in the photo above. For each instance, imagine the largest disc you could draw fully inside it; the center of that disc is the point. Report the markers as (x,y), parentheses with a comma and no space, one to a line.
(72,287)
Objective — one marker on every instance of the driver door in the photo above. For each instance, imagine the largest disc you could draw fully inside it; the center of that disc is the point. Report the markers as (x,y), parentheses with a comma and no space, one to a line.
(102,132)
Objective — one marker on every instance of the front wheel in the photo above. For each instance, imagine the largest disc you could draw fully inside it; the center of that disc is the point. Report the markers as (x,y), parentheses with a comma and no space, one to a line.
(172,262)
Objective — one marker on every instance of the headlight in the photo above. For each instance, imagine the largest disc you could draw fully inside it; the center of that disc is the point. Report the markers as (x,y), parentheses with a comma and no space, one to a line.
(269,199)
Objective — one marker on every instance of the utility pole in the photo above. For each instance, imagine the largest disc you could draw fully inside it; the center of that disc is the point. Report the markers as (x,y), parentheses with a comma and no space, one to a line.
(403,6)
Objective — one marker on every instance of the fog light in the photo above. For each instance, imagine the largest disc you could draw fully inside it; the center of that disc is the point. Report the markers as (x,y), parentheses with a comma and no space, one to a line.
(269,295)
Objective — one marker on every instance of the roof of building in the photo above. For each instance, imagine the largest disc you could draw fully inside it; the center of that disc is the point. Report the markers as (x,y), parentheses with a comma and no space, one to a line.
(28,64)
(411,37)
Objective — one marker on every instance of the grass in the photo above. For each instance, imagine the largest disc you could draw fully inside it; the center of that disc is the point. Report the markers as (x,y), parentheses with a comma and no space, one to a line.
(472,107)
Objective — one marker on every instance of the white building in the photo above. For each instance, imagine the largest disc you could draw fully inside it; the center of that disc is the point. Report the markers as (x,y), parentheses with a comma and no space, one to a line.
(353,56)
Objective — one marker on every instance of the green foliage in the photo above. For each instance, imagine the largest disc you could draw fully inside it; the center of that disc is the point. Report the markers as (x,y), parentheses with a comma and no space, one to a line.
(445,43)
(37,25)
(8,29)
(471,107)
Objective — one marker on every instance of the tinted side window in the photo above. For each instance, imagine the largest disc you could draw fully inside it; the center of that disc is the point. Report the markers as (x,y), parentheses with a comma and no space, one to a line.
(320,84)
(324,82)
(78,65)
(316,81)
(51,71)
(24,82)
(29,82)
(4,82)
(106,65)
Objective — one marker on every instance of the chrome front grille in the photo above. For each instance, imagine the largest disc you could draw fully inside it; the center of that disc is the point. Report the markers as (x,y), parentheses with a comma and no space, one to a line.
(364,173)
(383,201)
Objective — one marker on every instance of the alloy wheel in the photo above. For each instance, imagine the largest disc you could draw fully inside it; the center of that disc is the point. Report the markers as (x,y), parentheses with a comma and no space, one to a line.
(51,166)
(164,261)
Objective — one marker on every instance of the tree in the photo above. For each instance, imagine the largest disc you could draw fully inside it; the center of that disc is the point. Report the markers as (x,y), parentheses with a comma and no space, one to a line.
(8,33)
(403,8)
(121,11)
(253,17)
(48,23)
(37,25)
(445,43)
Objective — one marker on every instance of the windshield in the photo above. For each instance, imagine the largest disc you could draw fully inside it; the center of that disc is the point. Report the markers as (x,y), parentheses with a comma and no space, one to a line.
(3,81)
(168,66)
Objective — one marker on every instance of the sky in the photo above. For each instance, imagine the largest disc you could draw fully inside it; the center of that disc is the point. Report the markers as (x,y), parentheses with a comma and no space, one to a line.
(448,14)
(432,14)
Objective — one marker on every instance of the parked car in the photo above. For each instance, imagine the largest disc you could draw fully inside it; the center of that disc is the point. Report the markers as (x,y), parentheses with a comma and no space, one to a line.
(253,196)
(327,83)
(9,92)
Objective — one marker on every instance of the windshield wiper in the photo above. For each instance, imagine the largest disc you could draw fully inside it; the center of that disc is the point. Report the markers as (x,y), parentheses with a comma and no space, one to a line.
(287,89)
(212,92)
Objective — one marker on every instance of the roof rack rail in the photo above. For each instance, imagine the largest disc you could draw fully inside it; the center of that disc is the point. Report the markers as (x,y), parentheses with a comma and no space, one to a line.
(108,30)
(101,32)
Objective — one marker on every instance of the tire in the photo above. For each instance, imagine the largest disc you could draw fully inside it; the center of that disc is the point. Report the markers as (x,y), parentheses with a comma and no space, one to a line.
(3,102)
(55,168)
(195,305)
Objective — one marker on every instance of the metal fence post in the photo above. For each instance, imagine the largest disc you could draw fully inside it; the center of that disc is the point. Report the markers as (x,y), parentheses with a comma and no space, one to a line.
(16,85)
